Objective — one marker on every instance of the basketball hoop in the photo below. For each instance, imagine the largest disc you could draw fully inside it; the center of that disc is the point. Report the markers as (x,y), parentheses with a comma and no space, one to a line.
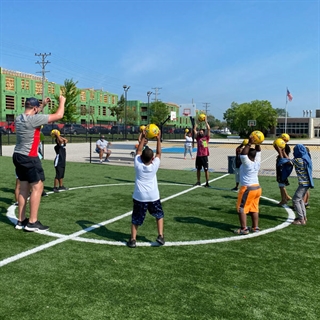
(186,112)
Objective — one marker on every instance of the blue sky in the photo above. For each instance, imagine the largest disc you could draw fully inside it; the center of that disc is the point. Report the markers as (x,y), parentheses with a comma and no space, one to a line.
(213,52)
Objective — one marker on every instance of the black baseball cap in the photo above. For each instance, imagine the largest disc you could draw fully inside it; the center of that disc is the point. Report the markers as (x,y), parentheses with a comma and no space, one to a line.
(32,102)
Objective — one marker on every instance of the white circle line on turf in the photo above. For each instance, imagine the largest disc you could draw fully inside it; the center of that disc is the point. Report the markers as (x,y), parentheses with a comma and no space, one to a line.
(75,236)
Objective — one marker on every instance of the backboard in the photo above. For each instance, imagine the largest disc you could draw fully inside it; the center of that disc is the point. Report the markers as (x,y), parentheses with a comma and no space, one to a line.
(187,110)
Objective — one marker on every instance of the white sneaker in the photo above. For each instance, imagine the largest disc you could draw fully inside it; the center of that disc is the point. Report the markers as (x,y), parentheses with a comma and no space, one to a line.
(100,161)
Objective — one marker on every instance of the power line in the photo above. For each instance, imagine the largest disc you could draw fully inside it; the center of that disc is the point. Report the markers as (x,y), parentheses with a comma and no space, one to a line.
(43,64)
(206,106)
(156,93)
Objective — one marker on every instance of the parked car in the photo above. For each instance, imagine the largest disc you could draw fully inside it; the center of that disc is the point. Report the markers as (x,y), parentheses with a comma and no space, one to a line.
(74,129)
(47,128)
(99,130)
(179,130)
(3,130)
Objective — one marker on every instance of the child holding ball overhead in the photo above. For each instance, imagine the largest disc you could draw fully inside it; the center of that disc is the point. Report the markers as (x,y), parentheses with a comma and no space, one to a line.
(146,193)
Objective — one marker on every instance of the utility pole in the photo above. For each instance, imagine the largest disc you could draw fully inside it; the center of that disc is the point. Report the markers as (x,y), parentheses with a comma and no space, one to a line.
(206,106)
(156,93)
(43,64)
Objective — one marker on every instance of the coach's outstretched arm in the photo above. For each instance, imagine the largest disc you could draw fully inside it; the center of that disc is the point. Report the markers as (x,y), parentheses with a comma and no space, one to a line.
(60,111)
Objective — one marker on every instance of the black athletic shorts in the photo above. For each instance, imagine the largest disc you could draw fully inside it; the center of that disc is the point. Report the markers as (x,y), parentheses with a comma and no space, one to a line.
(202,162)
(28,168)
(60,172)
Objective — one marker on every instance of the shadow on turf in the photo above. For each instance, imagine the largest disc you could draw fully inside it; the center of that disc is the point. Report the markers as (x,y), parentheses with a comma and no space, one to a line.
(104,232)
(207,223)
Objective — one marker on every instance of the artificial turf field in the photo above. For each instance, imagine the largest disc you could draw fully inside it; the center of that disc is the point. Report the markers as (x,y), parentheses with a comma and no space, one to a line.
(83,270)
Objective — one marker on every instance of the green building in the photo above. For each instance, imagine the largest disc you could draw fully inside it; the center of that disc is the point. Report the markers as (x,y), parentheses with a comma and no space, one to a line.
(92,105)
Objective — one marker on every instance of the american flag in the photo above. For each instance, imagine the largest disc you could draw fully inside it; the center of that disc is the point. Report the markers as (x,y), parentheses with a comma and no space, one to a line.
(289,95)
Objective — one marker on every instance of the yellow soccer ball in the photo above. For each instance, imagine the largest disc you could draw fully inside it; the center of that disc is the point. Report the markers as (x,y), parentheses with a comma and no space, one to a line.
(186,131)
(54,133)
(152,131)
(202,117)
(285,137)
(258,137)
(142,128)
(245,142)
(280,143)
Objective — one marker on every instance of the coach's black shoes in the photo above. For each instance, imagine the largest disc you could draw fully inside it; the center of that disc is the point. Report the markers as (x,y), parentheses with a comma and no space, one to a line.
(197,184)
(160,240)
(21,224)
(36,226)
(131,243)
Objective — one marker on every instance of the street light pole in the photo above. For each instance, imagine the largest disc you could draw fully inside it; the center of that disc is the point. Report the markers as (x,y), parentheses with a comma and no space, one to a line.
(149,93)
(125,88)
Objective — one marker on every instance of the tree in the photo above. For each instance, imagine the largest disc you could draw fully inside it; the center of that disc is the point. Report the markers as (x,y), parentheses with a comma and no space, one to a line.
(237,116)
(159,112)
(71,93)
(281,112)
(118,110)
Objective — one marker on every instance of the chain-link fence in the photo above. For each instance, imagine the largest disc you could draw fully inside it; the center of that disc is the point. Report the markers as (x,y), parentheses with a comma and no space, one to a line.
(81,148)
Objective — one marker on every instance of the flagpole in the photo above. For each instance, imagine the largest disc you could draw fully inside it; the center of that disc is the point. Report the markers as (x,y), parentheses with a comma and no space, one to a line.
(285,121)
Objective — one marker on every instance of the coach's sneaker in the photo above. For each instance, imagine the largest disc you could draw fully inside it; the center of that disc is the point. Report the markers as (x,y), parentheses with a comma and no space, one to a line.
(36,226)
(131,243)
(21,224)
(55,189)
(207,185)
(160,240)
(197,184)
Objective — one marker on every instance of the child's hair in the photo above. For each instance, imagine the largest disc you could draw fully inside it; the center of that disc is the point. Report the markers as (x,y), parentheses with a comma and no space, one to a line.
(287,149)
(147,155)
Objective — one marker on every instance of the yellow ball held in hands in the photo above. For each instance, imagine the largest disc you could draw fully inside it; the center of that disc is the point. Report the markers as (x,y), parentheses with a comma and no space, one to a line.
(245,142)
(186,131)
(54,133)
(258,137)
(202,117)
(142,128)
(285,137)
(280,143)
(152,131)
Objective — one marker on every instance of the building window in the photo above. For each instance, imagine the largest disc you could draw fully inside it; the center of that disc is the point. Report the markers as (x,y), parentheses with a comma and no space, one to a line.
(9,84)
(104,111)
(83,96)
(105,98)
(38,88)
(51,88)
(83,110)
(99,111)
(25,84)
(113,99)
(91,95)
(10,102)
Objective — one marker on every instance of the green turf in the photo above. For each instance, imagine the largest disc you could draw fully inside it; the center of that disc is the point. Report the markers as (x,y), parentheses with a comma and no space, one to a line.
(273,276)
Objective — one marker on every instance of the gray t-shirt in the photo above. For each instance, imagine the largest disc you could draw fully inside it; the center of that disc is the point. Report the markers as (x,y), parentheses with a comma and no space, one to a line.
(28,133)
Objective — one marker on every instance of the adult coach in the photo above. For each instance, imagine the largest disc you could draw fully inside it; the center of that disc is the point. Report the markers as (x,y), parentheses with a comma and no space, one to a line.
(202,139)
(250,191)
(25,158)
(102,147)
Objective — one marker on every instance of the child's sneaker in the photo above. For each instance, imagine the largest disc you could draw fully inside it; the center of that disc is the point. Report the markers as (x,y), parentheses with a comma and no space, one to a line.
(63,188)
(132,243)
(55,189)
(241,231)
(21,224)
(254,230)
(160,240)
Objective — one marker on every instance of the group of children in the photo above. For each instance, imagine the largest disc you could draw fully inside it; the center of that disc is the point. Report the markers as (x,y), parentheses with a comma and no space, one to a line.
(246,174)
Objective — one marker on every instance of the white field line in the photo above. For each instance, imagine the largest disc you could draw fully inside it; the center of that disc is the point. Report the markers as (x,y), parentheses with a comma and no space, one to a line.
(75,236)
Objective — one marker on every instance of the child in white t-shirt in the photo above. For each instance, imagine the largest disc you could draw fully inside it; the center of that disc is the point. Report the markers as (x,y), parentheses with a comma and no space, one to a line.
(146,193)
(188,144)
